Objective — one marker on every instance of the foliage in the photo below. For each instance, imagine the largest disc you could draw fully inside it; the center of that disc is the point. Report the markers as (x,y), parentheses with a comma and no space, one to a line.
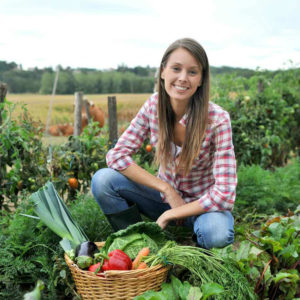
(80,157)
(204,267)
(270,257)
(268,191)
(184,291)
(265,114)
(30,251)
(23,158)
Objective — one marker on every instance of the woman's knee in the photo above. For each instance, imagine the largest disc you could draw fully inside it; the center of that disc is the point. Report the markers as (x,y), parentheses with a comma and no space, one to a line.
(217,232)
(102,181)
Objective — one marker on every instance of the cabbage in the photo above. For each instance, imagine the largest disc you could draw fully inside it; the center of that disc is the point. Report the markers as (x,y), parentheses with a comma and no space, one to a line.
(135,237)
(133,243)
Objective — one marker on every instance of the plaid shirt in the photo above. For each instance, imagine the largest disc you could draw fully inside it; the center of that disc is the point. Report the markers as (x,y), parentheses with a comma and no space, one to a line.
(212,180)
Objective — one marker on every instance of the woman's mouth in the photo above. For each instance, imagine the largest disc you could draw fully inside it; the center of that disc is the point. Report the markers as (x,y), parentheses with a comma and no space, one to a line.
(180,88)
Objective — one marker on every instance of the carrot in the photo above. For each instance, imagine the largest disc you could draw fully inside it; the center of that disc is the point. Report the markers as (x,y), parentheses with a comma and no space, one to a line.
(143,252)
(142,265)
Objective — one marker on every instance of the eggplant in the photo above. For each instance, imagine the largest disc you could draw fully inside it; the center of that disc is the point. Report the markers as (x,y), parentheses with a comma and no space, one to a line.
(84,254)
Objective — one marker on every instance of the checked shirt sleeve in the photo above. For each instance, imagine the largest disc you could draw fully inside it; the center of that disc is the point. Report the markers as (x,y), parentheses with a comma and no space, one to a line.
(120,157)
(221,195)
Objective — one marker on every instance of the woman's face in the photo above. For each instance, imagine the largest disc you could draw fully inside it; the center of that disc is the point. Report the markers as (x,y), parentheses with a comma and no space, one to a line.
(182,75)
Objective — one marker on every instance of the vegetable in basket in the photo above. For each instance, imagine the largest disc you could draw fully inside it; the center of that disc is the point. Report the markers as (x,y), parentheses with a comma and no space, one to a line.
(116,260)
(135,237)
(138,260)
(84,254)
(53,212)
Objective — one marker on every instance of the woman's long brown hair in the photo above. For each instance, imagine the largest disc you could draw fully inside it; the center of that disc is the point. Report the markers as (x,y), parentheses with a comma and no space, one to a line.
(197,112)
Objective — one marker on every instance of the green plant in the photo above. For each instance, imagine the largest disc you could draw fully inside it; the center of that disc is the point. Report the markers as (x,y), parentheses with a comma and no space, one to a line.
(264,112)
(182,290)
(23,158)
(79,158)
(269,257)
(268,191)
(30,251)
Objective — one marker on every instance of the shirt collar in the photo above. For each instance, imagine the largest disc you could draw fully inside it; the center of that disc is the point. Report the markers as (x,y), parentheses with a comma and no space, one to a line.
(183,120)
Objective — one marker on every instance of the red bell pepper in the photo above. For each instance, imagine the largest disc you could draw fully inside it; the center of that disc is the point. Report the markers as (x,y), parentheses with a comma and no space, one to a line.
(119,260)
(105,265)
(116,260)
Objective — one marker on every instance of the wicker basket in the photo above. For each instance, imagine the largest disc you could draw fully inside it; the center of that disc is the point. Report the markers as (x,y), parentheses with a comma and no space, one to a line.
(117,284)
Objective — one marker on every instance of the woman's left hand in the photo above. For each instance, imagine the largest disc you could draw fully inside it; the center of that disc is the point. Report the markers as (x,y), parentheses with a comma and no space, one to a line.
(166,217)
(163,219)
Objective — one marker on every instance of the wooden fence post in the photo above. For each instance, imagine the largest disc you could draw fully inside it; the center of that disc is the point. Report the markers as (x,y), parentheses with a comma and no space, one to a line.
(112,119)
(3,91)
(78,112)
(260,86)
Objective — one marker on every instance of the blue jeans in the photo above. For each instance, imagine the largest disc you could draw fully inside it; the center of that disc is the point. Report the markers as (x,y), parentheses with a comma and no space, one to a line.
(114,192)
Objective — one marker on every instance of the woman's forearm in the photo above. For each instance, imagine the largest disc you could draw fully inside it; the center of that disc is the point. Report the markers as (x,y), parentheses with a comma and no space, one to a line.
(141,176)
(187,210)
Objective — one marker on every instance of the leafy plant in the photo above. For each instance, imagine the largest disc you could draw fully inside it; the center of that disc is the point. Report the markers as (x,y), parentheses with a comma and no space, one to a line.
(23,158)
(270,257)
(268,191)
(30,251)
(79,158)
(183,291)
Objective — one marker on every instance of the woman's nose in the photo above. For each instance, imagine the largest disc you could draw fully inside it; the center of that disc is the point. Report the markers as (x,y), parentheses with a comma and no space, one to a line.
(183,75)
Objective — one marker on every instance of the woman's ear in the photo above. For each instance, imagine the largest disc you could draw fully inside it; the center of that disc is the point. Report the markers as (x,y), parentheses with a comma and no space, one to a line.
(162,75)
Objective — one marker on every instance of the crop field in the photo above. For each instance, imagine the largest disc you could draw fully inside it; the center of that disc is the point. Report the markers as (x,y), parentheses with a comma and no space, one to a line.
(63,111)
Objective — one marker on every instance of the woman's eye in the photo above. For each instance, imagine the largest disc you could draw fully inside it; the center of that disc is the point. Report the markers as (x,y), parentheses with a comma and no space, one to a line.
(176,69)
(193,72)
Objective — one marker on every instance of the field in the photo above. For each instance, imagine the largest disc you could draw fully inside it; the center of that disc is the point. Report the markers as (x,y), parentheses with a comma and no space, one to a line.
(62,108)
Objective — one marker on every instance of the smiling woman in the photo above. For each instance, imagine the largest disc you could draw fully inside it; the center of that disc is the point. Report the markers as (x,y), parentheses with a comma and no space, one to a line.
(193,145)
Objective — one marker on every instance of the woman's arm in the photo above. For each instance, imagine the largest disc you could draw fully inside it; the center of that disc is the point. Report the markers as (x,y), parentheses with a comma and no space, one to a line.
(141,176)
(178,213)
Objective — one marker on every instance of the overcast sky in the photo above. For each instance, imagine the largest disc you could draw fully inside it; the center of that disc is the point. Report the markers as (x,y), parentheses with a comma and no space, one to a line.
(103,34)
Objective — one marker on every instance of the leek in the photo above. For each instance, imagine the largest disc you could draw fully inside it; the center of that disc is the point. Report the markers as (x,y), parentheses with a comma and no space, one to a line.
(53,212)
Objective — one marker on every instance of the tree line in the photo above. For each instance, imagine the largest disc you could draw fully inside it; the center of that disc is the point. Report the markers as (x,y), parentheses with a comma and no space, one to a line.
(91,81)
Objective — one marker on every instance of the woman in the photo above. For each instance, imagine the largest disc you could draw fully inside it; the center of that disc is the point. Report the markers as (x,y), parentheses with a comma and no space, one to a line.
(192,136)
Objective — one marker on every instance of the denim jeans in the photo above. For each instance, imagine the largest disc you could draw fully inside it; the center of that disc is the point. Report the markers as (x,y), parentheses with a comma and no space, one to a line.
(114,193)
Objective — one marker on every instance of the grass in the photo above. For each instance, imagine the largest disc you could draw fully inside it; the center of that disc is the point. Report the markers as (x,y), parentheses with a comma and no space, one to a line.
(62,108)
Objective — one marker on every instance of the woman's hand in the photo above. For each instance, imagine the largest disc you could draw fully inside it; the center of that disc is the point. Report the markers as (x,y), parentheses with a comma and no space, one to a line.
(164,219)
(168,216)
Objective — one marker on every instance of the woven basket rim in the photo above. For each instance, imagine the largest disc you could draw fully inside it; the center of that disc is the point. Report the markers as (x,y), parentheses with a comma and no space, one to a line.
(113,273)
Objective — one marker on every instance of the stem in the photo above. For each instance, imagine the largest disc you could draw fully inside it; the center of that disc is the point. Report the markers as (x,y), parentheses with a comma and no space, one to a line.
(37,245)
(101,255)
(262,275)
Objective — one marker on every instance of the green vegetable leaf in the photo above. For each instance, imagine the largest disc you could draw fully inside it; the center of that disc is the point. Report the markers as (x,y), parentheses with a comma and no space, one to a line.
(194,293)
(54,213)
(211,289)
(184,290)
(288,277)
(150,234)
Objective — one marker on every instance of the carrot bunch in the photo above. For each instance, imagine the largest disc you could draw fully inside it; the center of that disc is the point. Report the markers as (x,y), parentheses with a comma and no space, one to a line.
(137,262)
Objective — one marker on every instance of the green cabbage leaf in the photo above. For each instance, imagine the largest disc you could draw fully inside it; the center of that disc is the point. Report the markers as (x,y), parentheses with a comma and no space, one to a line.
(135,237)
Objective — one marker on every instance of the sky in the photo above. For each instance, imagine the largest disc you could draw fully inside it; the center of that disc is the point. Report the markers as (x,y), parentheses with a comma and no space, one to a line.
(104,34)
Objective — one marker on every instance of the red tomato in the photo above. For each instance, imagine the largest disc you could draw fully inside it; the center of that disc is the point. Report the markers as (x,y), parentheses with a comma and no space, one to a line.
(73,183)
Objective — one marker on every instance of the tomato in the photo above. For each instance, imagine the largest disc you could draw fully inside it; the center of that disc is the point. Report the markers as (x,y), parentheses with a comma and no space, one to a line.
(93,268)
(20,185)
(148,148)
(73,183)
